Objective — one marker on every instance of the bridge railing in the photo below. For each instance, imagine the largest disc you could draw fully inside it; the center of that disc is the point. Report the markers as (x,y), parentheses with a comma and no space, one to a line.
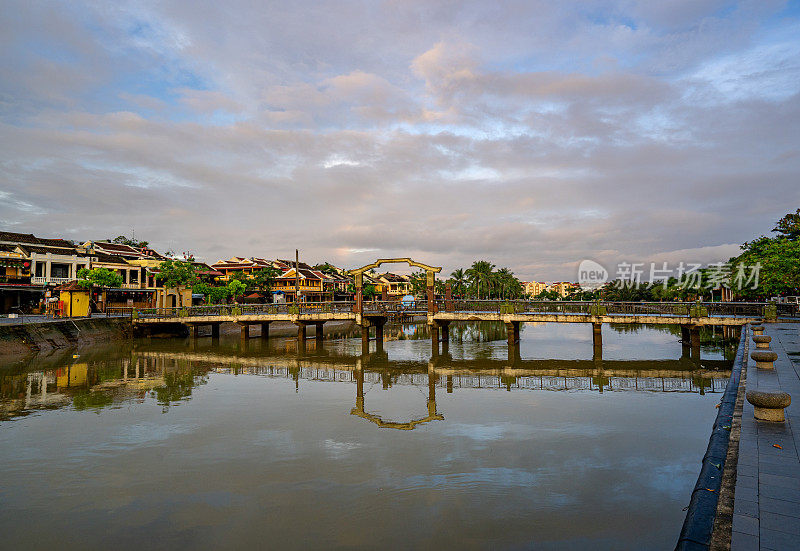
(741,309)
(394,306)
(246,309)
(736,309)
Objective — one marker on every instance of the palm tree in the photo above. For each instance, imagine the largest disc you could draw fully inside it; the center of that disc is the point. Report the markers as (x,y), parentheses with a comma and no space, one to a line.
(480,275)
(459,281)
(503,278)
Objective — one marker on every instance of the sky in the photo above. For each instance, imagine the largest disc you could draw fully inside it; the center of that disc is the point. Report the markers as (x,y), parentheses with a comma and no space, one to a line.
(530,134)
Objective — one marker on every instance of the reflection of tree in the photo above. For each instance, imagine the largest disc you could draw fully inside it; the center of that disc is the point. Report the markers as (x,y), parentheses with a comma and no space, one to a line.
(177,386)
(92,400)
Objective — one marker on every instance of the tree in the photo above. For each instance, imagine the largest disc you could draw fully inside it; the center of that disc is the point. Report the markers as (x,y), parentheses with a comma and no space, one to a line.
(779,273)
(459,282)
(98,277)
(776,260)
(326,268)
(175,274)
(236,289)
(214,295)
(480,276)
(122,240)
(789,226)
(264,279)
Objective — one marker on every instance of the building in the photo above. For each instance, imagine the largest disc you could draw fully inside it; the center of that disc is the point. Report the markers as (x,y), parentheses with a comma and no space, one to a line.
(73,300)
(310,283)
(534,288)
(32,266)
(563,288)
(246,266)
(397,286)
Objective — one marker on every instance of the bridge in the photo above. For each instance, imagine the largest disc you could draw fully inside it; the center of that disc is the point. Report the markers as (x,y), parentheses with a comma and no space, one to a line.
(440,312)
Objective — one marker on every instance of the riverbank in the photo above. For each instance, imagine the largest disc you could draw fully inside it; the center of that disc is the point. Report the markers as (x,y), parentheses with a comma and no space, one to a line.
(22,339)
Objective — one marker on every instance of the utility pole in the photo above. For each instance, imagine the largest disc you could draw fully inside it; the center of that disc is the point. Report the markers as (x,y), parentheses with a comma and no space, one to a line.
(297,275)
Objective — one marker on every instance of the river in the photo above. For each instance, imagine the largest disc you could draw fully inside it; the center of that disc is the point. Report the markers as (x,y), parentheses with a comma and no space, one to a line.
(199,445)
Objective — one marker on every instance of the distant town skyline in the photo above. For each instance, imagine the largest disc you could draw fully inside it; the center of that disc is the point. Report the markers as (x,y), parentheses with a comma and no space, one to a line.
(533,135)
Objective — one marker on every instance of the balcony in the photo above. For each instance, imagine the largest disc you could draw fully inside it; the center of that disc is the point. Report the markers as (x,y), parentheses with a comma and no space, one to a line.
(51,281)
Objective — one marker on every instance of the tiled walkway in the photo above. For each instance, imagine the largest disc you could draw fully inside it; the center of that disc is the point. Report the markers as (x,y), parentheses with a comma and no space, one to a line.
(767,498)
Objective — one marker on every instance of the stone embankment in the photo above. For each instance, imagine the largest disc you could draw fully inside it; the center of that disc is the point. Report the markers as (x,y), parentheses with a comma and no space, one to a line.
(21,339)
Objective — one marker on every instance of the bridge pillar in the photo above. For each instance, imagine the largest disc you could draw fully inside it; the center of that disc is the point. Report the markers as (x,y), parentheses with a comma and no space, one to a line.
(265,331)
(301,332)
(695,341)
(429,281)
(245,331)
(445,325)
(318,330)
(379,332)
(512,330)
(359,388)
(686,339)
(364,338)
(448,297)
(195,330)
(215,331)
(434,339)
(597,340)
(431,391)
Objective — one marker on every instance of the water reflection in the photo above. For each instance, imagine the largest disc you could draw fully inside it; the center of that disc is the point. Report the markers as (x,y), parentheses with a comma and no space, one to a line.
(169,373)
(221,445)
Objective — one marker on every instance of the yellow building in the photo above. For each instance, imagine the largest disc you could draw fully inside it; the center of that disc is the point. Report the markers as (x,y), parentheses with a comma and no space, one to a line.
(562,288)
(396,285)
(74,300)
(534,288)
(310,285)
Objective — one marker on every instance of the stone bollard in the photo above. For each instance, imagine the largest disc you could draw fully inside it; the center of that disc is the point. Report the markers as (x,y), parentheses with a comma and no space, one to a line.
(758,329)
(764,358)
(769,405)
(762,341)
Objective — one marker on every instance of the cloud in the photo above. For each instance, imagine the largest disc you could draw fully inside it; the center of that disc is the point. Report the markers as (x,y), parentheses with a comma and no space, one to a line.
(530,134)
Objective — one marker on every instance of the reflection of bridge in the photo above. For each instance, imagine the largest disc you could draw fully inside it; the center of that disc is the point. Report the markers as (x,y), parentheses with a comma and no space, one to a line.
(441,312)
(443,372)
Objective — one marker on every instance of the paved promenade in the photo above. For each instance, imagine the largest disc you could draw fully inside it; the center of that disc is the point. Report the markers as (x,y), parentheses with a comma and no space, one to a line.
(767,497)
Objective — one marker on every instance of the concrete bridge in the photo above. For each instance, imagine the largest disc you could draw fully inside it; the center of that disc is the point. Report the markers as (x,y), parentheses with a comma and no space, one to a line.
(440,313)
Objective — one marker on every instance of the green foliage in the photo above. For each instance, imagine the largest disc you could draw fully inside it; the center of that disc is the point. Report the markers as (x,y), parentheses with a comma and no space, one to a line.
(264,279)
(122,240)
(779,258)
(236,288)
(480,276)
(458,280)
(789,226)
(419,283)
(92,400)
(98,277)
(368,290)
(326,268)
(213,294)
(176,273)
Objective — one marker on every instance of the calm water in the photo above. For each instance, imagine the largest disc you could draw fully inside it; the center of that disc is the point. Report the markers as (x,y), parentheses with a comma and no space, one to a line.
(166,444)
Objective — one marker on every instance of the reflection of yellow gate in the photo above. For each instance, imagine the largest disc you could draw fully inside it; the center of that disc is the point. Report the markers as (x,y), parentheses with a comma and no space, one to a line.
(408,425)
(358,274)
